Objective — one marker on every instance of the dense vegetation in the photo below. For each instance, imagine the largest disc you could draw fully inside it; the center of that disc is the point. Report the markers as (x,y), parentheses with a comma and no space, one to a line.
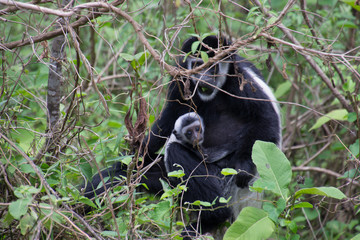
(74,75)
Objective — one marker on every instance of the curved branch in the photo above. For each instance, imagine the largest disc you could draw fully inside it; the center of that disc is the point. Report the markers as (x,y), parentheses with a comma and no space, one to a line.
(311,61)
(29,6)
(47,187)
(46,36)
(326,171)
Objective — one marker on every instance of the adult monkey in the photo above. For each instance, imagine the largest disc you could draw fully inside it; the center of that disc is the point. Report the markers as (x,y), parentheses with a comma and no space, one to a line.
(237,108)
(236,105)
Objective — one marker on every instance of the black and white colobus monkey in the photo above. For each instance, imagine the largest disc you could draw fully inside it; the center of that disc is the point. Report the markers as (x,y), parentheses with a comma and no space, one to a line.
(203,180)
(236,105)
(237,108)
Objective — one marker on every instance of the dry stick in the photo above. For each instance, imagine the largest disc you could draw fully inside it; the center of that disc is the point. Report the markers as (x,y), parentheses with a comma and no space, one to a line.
(316,154)
(104,186)
(327,171)
(311,61)
(46,36)
(36,8)
(171,69)
(176,71)
(47,187)
(89,69)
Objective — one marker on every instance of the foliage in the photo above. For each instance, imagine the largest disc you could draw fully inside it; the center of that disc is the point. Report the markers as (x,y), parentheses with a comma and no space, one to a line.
(116,55)
(274,167)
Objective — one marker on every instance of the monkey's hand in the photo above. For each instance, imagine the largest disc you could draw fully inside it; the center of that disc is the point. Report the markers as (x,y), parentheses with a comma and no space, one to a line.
(242,179)
(246,174)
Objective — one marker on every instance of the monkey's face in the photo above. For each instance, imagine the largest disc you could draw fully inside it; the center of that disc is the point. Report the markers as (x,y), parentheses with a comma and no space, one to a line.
(193,134)
(208,81)
(189,130)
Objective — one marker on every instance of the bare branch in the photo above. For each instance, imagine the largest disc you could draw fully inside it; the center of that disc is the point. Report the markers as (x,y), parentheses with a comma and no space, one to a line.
(36,8)
(311,61)
(46,36)
(326,171)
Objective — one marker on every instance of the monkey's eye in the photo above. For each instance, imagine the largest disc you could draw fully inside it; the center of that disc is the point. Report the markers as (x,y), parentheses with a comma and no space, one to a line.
(197,129)
(188,133)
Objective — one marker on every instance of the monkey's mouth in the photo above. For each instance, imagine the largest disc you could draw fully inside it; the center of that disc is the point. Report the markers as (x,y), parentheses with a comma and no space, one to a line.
(206,90)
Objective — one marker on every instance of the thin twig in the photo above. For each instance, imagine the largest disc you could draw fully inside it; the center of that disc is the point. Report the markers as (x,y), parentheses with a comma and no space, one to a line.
(47,187)
(326,171)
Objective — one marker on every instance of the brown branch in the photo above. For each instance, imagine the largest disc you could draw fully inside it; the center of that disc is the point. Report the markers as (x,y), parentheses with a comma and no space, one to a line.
(46,36)
(89,69)
(311,61)
(326,171)
(46,185)
(29,6)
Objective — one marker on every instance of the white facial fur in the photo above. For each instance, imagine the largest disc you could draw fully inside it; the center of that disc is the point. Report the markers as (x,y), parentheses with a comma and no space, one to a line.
(221,76)
(179,128)
(179,124)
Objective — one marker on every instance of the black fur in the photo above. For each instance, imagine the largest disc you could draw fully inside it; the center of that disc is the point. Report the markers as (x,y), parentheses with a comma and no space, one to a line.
(232,126)
(202,180)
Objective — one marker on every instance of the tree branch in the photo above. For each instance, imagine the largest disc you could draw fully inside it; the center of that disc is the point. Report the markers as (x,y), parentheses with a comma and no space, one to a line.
(46,36)
(311,61)
(326,171)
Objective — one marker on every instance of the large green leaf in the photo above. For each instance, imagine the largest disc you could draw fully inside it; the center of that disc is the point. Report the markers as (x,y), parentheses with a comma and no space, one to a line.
(252,223)
(273,167)
(357,237)
(323,191)
(19,207)
(352,3)
(338,114)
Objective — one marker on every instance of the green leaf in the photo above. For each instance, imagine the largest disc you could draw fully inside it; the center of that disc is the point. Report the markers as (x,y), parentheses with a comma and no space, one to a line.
(252,223)
(339,114)
(142,58)
(224,200)
(273,167)
(228,171)
(86,169)
(25,191)
(282,89)
(195,46)
(271,21)
(322,191)
(201,203)
(352,173)
(354,148)
(160,214)
(109,234)
(23,137)
(177,174)
(171,192)
(127,57)
(357,237)
(87,201)
(19,207)
(302,205)
(274,211)
(114,124)
(26,223)
(47,210)
(352,117)
(126,160)
(352,3)
(204,56)
(252,12)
